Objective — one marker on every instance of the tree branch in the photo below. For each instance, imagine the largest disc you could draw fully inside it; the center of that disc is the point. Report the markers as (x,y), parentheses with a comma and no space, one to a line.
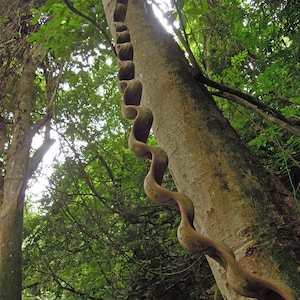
(51,97)
(39,154)
(269,117)
(68,287)
(94,22)
(239,97)
(181,38)
(184,39)
(251,103)
(32,285)
(106,166)
(42,122)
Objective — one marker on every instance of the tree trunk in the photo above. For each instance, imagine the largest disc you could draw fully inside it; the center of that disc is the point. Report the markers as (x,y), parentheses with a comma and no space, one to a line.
(236,201)
(17,128)
(17,174)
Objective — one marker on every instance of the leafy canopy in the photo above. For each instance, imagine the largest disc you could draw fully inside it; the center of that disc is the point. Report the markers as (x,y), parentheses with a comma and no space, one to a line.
(82,243)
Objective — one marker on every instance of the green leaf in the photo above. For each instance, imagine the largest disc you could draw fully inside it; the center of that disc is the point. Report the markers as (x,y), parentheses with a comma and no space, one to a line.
(4,20)
(195,11)
(32,37)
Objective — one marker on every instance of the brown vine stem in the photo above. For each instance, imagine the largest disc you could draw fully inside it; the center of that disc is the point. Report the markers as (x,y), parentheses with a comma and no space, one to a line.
(241,281)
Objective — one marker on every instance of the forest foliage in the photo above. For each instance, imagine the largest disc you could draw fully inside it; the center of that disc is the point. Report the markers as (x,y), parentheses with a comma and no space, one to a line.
(92,234)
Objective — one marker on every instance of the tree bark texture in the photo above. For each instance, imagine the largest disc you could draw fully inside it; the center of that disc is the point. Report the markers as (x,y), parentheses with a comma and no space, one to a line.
(17,174)
(20,61)
(13,192)
(236,202)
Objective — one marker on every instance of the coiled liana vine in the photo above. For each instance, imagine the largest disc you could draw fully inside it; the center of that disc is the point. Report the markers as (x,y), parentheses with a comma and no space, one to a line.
(241,281)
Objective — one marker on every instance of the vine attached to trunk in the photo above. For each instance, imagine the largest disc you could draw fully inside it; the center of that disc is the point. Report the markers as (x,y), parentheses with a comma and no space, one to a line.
(241,281)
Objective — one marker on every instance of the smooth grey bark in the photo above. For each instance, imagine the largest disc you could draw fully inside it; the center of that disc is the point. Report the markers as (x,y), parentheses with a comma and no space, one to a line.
(236,201)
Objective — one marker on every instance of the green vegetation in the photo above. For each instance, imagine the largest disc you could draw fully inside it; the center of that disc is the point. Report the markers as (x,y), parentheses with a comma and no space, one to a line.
(94,234)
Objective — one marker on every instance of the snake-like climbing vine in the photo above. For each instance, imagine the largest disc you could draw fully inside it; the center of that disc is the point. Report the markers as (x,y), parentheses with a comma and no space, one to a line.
(241,281)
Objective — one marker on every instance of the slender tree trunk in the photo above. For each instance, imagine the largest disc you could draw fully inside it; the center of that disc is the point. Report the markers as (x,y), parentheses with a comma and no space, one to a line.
(20,61)
(236,201)
(11,218)
(17,174)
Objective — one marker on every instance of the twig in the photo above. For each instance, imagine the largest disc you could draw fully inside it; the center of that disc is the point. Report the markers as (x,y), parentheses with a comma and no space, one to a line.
(94,22)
